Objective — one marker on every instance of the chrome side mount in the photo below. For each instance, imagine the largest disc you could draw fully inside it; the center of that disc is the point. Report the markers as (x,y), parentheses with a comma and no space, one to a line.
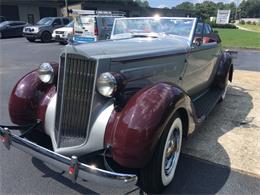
(70,165)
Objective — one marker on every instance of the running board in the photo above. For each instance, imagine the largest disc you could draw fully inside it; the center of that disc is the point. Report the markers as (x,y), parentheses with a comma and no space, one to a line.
(205,104)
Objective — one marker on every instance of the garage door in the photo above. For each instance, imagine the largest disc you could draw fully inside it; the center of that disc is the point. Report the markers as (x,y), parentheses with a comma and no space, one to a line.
(47,12)
(10,12)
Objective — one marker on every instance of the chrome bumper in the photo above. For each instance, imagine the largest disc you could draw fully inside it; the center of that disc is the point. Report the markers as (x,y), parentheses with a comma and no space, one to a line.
(71,165)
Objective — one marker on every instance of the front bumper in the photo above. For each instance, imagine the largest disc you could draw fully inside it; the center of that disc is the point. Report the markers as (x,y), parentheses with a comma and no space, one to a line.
(60,38)
(32,35)
(71,165)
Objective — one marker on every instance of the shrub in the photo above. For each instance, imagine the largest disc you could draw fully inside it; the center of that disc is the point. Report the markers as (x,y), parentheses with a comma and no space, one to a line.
(254,23)
(248,22)
(231,26)
(242,22)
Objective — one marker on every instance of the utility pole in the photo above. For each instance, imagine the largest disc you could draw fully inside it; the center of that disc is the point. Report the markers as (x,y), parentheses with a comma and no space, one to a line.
(67,9)
(236,10)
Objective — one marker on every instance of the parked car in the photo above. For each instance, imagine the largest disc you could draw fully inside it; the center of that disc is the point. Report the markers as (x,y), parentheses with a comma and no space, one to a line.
(44,28)
(130,100)
(91,26)
(62,35)
(11,28)
(208,34)
(2,19)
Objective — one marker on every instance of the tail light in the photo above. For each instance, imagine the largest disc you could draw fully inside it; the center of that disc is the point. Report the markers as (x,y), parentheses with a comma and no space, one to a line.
(96,28)
(96,31)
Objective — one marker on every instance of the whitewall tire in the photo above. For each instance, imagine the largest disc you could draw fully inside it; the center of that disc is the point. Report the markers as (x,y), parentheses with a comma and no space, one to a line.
(171,153)
(161,169)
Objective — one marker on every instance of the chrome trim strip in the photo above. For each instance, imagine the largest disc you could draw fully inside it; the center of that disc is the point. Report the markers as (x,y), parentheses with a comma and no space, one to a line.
(61,162)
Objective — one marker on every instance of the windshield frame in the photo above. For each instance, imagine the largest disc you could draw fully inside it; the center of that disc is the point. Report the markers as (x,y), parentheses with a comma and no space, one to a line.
(190,37)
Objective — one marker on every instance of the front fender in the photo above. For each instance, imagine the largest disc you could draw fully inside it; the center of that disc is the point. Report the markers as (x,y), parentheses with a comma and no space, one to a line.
(134,132)
(30,97)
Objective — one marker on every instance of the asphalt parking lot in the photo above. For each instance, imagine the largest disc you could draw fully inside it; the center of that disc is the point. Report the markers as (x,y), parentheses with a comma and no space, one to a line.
(221,158)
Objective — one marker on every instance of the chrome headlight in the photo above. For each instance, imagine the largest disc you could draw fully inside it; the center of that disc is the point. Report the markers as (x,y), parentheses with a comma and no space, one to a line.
(107,84)
(46,72)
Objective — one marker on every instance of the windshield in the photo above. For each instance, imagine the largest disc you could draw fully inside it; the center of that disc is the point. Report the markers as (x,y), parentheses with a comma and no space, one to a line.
(172,26)
(85,20)
(71,24)
(45,21)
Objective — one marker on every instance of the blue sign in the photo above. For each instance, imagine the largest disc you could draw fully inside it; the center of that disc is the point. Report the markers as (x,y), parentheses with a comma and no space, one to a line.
(84,39)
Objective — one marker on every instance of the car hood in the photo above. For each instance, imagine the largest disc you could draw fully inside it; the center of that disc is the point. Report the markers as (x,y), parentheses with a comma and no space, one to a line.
(65,29)
(38,26)
(131,47)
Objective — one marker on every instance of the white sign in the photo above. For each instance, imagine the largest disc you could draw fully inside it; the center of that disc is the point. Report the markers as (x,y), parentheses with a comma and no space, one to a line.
(223,16)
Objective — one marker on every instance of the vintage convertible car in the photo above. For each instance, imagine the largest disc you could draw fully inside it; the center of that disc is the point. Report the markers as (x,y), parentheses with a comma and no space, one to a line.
(131,100)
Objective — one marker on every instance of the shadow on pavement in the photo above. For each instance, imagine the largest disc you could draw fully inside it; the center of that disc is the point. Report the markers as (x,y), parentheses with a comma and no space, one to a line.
(59,176)
(196,176)
(199,176)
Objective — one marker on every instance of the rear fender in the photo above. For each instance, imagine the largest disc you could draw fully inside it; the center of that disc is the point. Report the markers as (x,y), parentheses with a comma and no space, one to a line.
(30,97)
(133,133)
(225,65)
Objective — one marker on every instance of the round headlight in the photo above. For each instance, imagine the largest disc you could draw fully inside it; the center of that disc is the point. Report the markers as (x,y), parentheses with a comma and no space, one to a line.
(46,72)
(107,84)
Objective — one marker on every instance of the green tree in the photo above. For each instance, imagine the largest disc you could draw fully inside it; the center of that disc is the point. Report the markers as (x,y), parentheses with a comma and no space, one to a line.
(206,9)
(186,5)
(250,9)
(142,3)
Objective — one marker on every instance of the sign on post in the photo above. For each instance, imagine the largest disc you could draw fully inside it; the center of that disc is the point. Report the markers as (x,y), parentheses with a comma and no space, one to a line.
(223,17)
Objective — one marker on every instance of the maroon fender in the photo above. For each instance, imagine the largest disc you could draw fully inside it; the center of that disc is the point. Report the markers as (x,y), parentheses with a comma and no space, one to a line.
(30,97)
(225,65)
(133,133)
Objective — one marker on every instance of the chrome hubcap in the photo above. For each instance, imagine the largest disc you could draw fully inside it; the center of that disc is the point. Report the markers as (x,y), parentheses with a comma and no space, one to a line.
(172,150)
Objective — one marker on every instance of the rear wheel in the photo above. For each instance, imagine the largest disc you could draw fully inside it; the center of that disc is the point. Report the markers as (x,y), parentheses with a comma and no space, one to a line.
(46,37)
(160,171)
(30,39)
(62,42)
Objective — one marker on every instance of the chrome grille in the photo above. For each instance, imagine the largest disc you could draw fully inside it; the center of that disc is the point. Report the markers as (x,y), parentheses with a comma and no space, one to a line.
(75,91)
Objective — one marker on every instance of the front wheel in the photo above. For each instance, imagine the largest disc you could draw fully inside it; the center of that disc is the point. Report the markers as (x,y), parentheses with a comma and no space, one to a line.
(160,171)
(46,37)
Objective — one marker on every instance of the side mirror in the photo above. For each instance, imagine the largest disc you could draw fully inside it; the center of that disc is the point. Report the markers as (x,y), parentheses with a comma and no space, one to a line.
(198,41)
(108,36)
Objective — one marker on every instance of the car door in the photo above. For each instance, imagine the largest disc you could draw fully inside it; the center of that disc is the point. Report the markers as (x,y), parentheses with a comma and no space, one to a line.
(11,29)
(19,28)
(201,60)
(65,21)
(57,23)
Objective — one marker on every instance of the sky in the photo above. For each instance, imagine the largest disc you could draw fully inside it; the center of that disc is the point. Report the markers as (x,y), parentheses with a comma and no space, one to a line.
(173,3)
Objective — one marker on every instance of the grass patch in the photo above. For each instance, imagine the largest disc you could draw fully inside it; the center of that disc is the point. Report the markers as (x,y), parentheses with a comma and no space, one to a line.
(235,38)
(255,28)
